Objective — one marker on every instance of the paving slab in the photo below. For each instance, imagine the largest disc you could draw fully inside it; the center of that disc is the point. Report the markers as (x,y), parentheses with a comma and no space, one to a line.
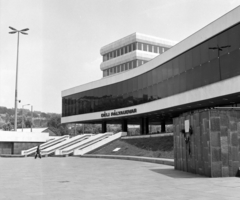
(73,178)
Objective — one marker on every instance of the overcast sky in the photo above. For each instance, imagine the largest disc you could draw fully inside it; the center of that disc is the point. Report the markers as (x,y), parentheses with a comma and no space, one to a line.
(62,49)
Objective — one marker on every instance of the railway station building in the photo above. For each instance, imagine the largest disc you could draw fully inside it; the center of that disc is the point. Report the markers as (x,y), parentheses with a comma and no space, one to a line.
(148,80)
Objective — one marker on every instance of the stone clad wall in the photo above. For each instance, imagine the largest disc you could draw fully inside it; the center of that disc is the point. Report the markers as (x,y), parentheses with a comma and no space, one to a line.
(214,143)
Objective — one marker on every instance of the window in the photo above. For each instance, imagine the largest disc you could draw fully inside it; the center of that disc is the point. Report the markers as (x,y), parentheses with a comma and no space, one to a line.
(139,46)
(144,47)
(134,46)
(130,65)
(130,47)
(126,66)
(134,63)
(150,48)
(126,49)
(155,49)
(122,68)
(139,63)
(105,57)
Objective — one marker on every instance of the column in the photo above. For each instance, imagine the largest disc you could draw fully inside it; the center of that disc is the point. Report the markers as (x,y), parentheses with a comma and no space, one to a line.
(104,127)
(124,125)
(144,128)
(163,126)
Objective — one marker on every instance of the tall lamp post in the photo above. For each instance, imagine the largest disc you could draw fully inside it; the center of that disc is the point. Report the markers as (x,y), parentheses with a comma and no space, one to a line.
(218,48)
(31,117)
(22,114)
(23,31)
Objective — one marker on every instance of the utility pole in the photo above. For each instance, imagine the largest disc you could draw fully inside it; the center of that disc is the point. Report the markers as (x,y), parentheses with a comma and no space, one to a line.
(218,48)
(23,31)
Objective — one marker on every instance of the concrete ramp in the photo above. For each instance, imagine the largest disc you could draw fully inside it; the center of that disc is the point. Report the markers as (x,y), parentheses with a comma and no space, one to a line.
(86,149)
(69,142)
(90,141)
(45,145)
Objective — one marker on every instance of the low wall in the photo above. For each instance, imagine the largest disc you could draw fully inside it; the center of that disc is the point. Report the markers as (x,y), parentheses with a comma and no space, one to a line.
(211,147)
(12,142)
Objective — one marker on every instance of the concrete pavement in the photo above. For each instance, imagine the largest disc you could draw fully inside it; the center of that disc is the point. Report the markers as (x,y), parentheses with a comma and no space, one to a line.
(106,179)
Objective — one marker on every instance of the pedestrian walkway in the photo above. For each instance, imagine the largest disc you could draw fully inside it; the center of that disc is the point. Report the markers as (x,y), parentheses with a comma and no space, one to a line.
(106,179)
(164,161)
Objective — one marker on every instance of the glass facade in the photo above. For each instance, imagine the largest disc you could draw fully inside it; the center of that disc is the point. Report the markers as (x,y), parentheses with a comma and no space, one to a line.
(194,68)
(132,47)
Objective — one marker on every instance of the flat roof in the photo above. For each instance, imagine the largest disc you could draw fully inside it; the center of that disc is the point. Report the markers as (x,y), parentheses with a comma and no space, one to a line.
(136,37)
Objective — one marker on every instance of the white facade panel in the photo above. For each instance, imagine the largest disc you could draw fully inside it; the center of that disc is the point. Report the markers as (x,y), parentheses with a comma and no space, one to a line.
(142,55)
(136,37)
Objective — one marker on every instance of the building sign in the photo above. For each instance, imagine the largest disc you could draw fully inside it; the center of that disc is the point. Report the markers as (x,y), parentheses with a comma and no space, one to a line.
(186,126)
(116,113)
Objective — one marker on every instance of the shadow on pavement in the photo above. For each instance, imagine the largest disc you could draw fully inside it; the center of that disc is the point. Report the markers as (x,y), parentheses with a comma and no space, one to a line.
(176,174)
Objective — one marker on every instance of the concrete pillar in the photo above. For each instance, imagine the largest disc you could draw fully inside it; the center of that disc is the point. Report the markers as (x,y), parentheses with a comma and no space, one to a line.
(144,125)
(141,126)
(163,126)
(104,127)
(124,125)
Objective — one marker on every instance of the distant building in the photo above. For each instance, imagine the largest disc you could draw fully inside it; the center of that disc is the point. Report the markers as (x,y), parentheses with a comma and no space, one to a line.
(131,51)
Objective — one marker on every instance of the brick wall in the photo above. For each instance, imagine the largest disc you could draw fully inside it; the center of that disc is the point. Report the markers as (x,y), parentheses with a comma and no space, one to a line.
(6,147)
(214,144)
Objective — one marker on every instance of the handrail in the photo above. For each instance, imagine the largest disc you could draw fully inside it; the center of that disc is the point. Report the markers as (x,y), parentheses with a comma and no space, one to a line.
(44,145)
(65,143)
(86,143)
(98,144)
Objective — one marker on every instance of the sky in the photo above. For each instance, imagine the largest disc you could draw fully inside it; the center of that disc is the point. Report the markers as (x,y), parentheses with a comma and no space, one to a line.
(62,48)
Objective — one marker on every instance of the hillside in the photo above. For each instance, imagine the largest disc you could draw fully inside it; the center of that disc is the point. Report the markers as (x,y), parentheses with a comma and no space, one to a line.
(158,147)
(39,119)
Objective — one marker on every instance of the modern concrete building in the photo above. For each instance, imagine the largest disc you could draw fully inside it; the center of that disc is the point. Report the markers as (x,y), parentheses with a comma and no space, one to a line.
(200,72)
(131,51)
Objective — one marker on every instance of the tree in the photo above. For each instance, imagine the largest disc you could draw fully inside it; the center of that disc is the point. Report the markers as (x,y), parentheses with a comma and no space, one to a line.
(55,125)
(28,123)
(7,127)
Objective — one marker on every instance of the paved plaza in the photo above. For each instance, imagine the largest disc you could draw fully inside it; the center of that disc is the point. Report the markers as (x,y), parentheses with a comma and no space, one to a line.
(106,179)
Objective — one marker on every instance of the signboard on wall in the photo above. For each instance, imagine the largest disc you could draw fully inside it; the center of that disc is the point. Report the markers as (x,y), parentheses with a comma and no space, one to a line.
(116,113)
(187,126)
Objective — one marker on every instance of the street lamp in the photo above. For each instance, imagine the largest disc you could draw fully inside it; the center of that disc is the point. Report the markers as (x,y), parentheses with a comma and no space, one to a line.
(219,49)
(31,117)
(13,32)
(22,114)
